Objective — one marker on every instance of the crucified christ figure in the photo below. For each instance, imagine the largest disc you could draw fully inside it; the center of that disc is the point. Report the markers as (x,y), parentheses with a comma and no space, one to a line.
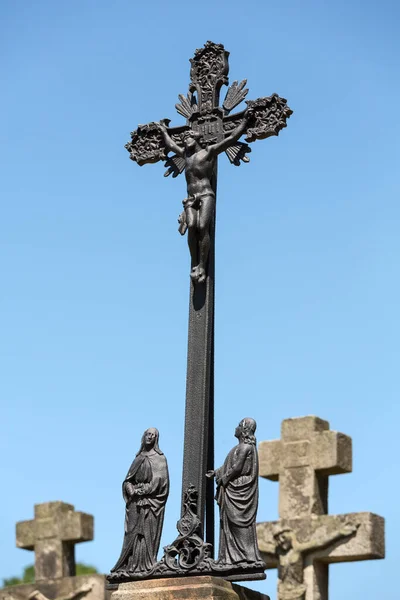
(199,206)
(291,556)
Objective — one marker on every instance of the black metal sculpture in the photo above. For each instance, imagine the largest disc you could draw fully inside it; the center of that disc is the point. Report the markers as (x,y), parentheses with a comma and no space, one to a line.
(209,130)
(145,491)
(237,497)
(199,163)
(188,553)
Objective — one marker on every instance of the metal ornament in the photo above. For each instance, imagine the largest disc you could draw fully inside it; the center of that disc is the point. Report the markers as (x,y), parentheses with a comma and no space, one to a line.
(194,148)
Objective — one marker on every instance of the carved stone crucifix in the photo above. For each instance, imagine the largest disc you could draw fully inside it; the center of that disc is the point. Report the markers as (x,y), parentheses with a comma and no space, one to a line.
(306,539)
(210,129)
(79,593)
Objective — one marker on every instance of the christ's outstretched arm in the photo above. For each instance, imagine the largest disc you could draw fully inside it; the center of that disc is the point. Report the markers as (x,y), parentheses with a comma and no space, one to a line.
(346,531)
(234,136)
(169,142)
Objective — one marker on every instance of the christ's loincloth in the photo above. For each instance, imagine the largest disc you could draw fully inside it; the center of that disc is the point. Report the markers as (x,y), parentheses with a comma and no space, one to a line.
(194,202)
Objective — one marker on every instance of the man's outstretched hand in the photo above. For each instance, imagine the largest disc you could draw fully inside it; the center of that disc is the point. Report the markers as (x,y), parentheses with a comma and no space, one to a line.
(249,113)
(163,124)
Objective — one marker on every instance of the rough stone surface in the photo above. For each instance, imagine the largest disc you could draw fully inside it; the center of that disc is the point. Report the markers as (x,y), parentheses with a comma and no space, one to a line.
(52,534)
(306,539)
(89,587)
(369,542)
(185,588)
(301,460)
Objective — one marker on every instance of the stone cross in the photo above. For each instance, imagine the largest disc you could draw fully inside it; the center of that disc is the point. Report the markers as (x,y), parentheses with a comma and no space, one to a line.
(52,534)
(306,539)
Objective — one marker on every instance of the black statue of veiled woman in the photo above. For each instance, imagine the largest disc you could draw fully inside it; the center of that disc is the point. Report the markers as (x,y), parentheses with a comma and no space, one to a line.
(145,491)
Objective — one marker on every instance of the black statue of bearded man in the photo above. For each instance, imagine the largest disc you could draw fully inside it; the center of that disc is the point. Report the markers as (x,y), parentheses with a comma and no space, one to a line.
(145,491)
(237,497)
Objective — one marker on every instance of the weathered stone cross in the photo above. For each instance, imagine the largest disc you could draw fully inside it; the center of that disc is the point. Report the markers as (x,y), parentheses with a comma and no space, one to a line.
(52,534)
(306,539)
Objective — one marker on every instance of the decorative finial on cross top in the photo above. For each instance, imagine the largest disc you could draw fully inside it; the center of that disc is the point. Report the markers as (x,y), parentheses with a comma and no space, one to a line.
(210,130)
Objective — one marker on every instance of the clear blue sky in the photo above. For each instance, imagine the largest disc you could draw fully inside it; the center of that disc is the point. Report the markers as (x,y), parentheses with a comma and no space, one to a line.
(95,275)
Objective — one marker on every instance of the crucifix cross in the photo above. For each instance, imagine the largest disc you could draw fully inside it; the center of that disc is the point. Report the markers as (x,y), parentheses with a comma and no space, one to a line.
(77,594)
(210,129)
(306,539)
(52,534)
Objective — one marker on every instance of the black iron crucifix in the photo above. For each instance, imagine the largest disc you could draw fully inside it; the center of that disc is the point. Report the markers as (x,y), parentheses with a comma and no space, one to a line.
(210,129)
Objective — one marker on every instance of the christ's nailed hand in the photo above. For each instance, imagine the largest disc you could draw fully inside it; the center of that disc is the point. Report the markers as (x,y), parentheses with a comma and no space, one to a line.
(349,528)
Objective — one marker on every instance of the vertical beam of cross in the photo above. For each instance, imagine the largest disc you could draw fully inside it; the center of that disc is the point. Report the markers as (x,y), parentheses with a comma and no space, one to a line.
(198,451)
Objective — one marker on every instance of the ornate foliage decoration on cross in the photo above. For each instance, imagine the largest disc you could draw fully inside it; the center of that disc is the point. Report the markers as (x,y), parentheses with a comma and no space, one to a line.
(214,130)
(204,115)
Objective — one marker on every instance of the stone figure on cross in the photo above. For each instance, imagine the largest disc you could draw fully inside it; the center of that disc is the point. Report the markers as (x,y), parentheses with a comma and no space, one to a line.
(306,539)
(291,555)
(77,594)
(198,207)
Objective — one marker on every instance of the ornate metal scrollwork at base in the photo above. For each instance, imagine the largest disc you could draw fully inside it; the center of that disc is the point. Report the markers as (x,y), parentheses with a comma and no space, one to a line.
(186,555)
(188,551)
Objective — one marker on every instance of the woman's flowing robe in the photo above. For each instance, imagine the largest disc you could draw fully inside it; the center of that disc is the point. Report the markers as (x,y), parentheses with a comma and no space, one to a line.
(237,496)
(144,515)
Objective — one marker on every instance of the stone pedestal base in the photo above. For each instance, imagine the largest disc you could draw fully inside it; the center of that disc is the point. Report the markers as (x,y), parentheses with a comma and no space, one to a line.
(185,588)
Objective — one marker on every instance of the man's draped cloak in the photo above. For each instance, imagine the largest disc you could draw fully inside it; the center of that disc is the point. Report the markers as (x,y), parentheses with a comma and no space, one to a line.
(237,496)
(144,514)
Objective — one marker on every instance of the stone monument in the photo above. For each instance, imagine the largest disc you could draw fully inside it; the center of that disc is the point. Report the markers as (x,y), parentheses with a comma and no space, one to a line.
(52,534)
(210,130)
(306,539)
